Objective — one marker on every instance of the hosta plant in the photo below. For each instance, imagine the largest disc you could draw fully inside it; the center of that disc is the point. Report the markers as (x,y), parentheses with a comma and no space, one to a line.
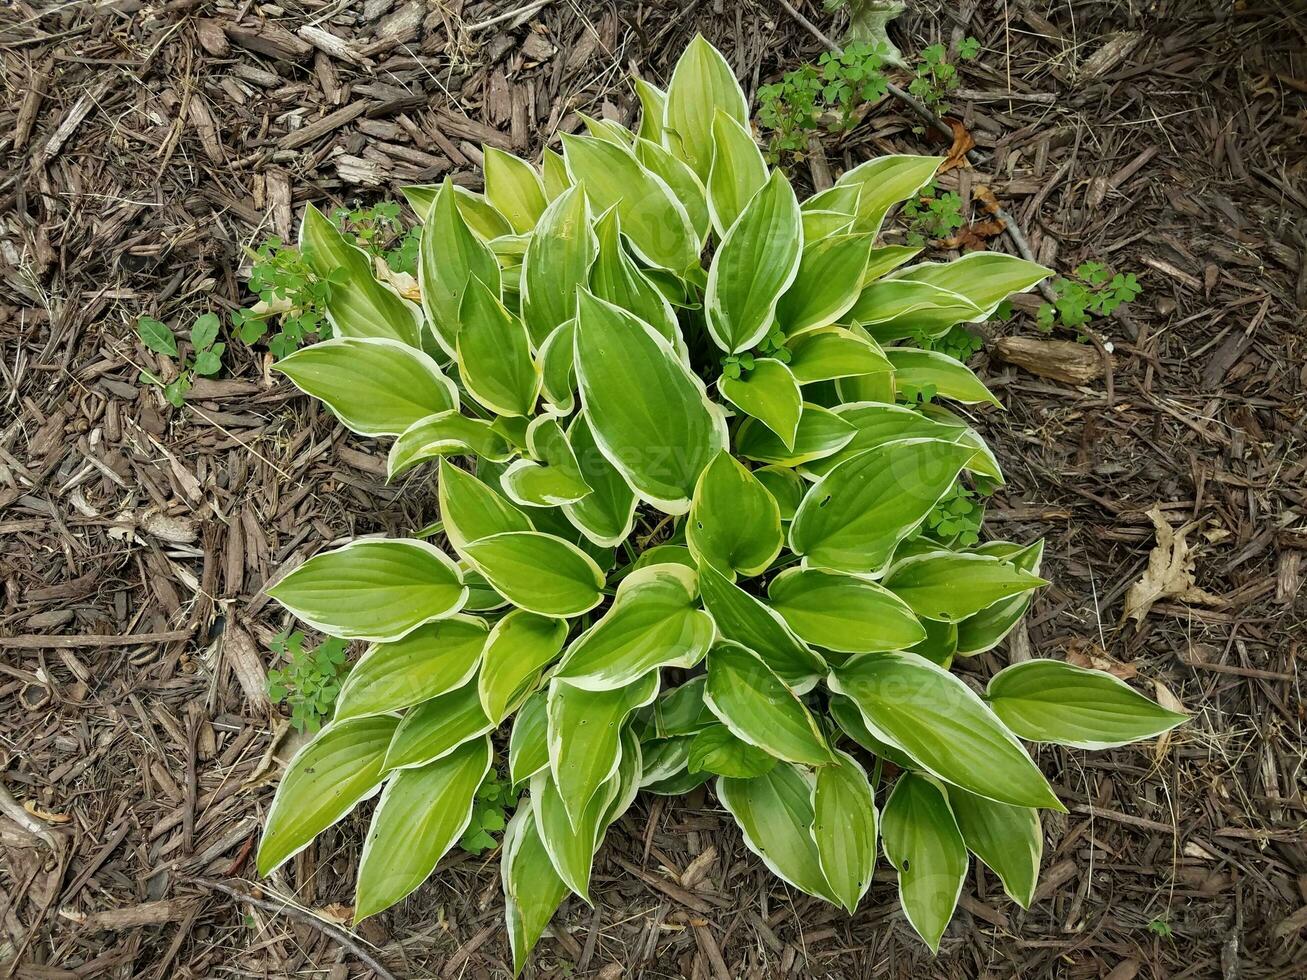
(683,533)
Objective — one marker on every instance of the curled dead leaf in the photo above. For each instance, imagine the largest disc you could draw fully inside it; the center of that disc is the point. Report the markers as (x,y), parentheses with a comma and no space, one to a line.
(1170,572)
(963,143)
(1171,703)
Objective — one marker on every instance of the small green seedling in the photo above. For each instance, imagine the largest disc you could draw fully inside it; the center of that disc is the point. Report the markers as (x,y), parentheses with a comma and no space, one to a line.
(310,682)
(289,292)
(380,232)
(493,800)
(836,86)
(1161,928)
(204,358)
(932,215)
(1092,290)
(936,77)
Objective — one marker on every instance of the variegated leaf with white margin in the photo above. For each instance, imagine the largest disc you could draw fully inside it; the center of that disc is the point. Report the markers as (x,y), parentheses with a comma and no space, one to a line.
(737,172)
(472,509)
(827,353)
(435,728)
(585,736)
(538,572)
(844,828)
(946,377)
(373,589)
(985,279)
(654,622)
(571,848)
(734,523)
(494,354)
(650,415)
(884,259)
(615,277)
(422,812)
(528,743)
(884,182)
(770,393)
(1052,701)
(897,309)
(827,284)
(532,888)
(432,660)
(450,257)
(340,767)
(513,187)
(924,844)
(921,709)
(480,214)
(557,261)
(753,267)
(987,628)
(719,751)
(553,170)
(843,612)
(876,424)
(606,515)
(447,433)
(519,647)
(702,84)
(676,173)
(949,587)
(359,305)
(376,387)
(774,812)
(552,475)
(1007,838)
(653,104)
(758,707)
(820,433)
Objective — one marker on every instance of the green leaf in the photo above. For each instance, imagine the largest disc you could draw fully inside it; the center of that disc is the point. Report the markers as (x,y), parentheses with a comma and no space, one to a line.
(844,712)
(607,130)
(827,284)
(556,358)
(685,185)
(209,362)
(770,393)
(606,515)
(681,710)
(514,189)
(528,745)
(654,622)
(538,572)
(480,215)
(885,259)
(450,258)
(520,646)
(204,332)
(156,335)
(785,485)
(754,265)
(924,844)
(472,510)
(718,751)
(915,370)
(921,709)
(844,828)
(649,414)
(421,814)
(557,261)
(886,181)
(430,661)
(373,589)
(876,424)
(437,727)
(532,888)
(447,433)
(584,736)
(823,224)
(853,517)
(552,475)
(833,352)
(843,612)
(653,102)
(949,587)
(987,628)
(1007,838)
(359,305)
(758,707)
(775,815)
(1051,701)
(616,278)
(653,220)
(571,848)
(375,387)
(820,433)
(734,522)
(339,768)
(895,309)
(556,177)
(737,171)
(750,622)
(985,279)
(702,83)
(494,354)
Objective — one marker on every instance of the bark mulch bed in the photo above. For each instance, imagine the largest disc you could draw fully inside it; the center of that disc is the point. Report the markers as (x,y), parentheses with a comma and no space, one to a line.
(142,144)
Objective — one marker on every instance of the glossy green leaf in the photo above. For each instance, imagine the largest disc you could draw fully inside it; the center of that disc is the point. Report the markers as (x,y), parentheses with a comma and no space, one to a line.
(785,485)
(557,261)
(514,189)
(775,815)
(450,258)
(984,278)
(606,515)
(897,309)
(844,828)
(585,736)
(421,814)
(480,215)
(928,713)
(833,352)
(753,624)
(854,516)
(532,888)
(736,173)
(924,844)
(437,727)
(769,393)
(654,622)
(553,170)
(887,181)
(875,424)
(375,387)
(528,744)
(734,523)
(759,708)
(360,306)
(844,712)
(552,475)
(432,660)
(649,414)
(987,628)
(571,848)
(702,83)
(325,779)
(1051,701)
(885,259)
(676,173)
(519,647)
(950,587)
(827,284)
(473,510)
(616,278)
(448,433)
(820,433)
(823,224)
(681,710)
(494,354)
(373,589)
(947,377)
(718,751)
(653,103)
(843,612)
(754,265)
(538,572)
(1007,838)
(653,220)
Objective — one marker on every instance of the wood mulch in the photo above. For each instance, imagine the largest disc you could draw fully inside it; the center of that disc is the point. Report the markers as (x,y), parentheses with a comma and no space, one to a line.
(142,144)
